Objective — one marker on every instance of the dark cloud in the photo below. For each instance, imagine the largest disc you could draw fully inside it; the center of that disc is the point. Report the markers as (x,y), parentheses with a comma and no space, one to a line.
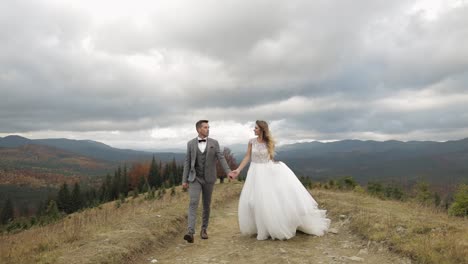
(322,69)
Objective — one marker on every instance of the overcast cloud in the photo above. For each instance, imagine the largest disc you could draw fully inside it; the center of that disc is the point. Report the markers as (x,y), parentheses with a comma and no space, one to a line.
(139,74)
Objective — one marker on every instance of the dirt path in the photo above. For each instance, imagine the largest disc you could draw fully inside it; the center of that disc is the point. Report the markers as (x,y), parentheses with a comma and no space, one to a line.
(226,245)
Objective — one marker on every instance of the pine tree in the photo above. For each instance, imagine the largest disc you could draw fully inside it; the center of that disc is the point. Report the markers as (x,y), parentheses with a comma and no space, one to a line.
(7,212)
(167,173)
(63,199)
(375,188)
(175,172)
(460,205)
(91,198)
(116,184)
(146,188)
(76,198)
(141,183)
(154,177)
(107,190)
(423,194)
(124,181)
(52,212)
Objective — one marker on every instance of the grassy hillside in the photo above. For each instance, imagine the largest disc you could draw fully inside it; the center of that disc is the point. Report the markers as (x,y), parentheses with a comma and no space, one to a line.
(422,233)
(107,234)
(116,234)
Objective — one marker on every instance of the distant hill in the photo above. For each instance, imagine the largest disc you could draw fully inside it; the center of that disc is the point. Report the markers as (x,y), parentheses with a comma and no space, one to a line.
(91,148)
(14,141)
(406,162)
(41,166)
(45,163)
(442,163)
(32,169)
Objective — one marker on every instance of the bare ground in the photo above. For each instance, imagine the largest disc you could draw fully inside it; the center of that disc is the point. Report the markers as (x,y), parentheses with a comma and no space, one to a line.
(226,245)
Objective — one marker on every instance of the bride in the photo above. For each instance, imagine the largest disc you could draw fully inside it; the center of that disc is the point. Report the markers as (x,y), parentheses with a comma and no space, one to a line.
(273,202)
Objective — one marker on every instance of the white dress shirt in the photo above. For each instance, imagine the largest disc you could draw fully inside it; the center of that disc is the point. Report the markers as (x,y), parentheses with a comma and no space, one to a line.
(202,145)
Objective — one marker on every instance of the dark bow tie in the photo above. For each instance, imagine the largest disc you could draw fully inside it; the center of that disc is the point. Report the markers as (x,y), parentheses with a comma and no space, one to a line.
(201,140)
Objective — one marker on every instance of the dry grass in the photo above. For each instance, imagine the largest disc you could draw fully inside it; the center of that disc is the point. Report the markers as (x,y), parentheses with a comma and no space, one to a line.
(108,234)
(116,235)
(421,233)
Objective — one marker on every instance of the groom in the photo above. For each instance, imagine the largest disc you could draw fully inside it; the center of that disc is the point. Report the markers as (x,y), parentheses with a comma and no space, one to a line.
(200,175)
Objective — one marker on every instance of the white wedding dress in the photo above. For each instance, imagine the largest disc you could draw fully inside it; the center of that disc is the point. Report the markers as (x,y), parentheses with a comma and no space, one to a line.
(274,203)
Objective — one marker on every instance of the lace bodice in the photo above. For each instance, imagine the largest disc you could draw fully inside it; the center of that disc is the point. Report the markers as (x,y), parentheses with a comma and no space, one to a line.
(259,151)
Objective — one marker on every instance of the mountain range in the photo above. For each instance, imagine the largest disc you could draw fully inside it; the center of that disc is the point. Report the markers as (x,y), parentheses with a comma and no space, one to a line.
(46,162)
(31,170)
(90,148)
(435,162)
(442,163)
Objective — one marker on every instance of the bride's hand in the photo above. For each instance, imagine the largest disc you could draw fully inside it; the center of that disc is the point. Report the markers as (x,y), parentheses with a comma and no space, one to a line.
(233,174)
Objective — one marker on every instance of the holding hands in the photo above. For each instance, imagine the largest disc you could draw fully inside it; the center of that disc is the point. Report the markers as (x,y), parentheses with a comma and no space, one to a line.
(234,174)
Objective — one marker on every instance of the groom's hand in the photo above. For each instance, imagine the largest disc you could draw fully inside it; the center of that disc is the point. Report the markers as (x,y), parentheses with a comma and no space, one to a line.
(233,174)
(185,185)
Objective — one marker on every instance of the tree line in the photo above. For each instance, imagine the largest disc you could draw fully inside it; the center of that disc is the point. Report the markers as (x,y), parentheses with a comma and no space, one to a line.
(141,177)
(455,204)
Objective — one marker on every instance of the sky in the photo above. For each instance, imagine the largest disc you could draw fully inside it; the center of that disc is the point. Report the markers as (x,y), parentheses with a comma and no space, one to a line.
(139,74)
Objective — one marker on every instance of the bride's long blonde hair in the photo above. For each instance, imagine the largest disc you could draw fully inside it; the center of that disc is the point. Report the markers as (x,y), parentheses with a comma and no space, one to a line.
(266,136)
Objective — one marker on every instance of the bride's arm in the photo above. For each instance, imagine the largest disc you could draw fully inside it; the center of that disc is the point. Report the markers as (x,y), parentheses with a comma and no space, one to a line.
(246,159)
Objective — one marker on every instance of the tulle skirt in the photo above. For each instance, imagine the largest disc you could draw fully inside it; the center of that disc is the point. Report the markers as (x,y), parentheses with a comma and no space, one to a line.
(274,204)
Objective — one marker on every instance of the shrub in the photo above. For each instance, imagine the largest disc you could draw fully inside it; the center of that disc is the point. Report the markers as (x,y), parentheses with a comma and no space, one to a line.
(375,188)
(423,194)
(359,189)
(460,205)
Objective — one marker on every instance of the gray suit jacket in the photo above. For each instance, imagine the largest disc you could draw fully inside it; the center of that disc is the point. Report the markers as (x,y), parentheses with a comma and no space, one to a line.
(213,153)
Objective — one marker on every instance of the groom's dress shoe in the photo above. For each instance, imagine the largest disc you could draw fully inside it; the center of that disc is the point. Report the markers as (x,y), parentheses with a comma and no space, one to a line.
(203,234)
(189,238)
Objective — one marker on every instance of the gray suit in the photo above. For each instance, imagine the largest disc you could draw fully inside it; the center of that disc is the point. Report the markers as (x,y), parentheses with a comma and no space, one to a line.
(200,173)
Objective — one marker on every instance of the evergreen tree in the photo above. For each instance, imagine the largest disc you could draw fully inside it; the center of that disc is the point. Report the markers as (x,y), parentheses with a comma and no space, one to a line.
(91,198)
(125,181)
(460,205)
(76,198)
(52,212)
(348,182)
(106,190)
(167,172)
(180,171)
(7,212)
(146,187)
(116,184)
(393,192)
(41,208)
(154,177)
(375,188)
(423,194)
(141,183)
(172,179)
(63,199)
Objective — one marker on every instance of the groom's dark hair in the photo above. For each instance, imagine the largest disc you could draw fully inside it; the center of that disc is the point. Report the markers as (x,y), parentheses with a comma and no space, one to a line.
(199,123)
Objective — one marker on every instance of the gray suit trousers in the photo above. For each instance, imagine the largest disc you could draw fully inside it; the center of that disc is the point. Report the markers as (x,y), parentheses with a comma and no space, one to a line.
(195,189)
